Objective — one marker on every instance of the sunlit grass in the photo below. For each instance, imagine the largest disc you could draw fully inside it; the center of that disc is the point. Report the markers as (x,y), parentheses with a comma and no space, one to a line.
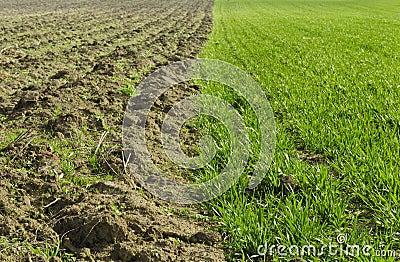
(330,70)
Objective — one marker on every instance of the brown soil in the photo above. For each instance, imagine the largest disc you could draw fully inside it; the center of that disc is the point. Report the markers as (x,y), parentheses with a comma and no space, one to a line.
(67,69)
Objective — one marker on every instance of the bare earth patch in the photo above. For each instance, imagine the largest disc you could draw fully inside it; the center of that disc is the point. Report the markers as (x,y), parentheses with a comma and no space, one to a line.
(67,71)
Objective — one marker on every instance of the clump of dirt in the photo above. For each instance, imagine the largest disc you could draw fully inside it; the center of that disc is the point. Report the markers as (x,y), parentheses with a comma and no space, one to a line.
(141,228)
(68,69)
(189,137)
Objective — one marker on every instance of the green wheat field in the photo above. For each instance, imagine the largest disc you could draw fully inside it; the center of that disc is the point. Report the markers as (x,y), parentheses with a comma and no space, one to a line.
(331,72)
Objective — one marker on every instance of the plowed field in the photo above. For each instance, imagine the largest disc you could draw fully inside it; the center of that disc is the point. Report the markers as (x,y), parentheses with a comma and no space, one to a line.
(67,71)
